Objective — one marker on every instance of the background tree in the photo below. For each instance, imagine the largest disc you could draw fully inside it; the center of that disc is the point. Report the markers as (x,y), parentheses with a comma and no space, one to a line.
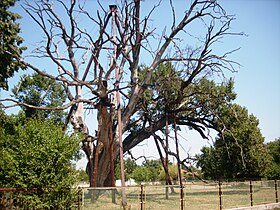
(82,175)
(77,55)
(148,171)
(130,166)
(38,154)
(10,42)
(154,166)
(173,172)
(209,162)
(141,174)
(200,110)
(239,151)
(37,91)
(273,171)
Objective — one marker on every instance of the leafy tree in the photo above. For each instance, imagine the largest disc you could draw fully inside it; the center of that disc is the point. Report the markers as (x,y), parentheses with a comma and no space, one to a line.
(154,166)
(239,151)
(209,163)
(82,175)
(38,154)
(273,171)
(148,171)
(10,42)
(37,90)
(141,174)
(130,166)
(172,170)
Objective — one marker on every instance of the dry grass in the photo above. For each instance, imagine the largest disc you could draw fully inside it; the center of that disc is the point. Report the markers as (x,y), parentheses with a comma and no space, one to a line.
(196,197)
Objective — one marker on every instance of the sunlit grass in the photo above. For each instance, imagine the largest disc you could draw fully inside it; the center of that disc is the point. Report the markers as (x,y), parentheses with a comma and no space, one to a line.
(197,196)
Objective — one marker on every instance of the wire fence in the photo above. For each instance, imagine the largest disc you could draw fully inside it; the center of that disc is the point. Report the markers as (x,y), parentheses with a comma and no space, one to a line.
(40,198)
(197,196)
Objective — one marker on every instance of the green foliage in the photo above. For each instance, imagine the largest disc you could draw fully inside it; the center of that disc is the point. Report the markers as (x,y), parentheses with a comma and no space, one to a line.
(9,42)
(38,154)
(273,171)
(141,174)
(239,151)
(172,170)
(37,90)
(163,90)
(154,167)
(82,175)
(129,166)
(167,83)
(196,106)
(149,171)
(208,161)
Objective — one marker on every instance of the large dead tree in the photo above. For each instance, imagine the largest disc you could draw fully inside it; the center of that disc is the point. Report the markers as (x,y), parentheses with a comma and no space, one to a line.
(85,54)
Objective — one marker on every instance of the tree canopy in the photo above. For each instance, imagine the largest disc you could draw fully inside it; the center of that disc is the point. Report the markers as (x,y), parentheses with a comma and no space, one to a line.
(239,151)
(10,42)
(36,91)
(273,171)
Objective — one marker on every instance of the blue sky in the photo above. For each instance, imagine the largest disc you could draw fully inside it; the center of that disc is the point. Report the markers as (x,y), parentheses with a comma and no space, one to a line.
(257,83)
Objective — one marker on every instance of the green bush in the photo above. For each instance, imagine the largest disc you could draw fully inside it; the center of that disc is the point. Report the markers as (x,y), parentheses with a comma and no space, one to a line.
(38,154)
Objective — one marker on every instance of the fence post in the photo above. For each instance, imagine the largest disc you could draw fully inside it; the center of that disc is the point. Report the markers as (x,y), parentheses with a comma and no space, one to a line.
(276,191)
(142,197)
(114,195)
(79,198)
(220,196)
(251,193)
(17,203)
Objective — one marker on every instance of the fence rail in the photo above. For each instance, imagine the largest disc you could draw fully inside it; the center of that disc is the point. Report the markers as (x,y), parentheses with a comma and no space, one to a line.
(197,195)
(39,198)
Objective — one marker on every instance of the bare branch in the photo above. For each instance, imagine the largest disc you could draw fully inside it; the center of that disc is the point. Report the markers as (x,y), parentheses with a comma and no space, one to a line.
(66,106)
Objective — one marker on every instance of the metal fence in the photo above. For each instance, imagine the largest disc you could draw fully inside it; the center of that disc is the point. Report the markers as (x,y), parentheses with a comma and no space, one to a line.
(197,196)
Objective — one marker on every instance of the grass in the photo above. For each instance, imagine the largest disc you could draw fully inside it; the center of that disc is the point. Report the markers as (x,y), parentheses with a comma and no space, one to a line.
(196,197)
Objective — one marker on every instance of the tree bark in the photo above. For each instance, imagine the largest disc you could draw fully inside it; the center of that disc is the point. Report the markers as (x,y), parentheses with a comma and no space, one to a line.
(133,34)
(169,180)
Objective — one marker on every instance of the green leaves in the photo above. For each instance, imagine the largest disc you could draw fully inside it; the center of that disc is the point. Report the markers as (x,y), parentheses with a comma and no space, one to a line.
(239,150)
(37,155)
(9,42)
(273,171)
(38,91)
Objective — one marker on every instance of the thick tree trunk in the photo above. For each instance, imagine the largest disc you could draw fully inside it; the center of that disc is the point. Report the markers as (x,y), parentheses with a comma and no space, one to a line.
(104,178)
(103,171)
(99,166)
